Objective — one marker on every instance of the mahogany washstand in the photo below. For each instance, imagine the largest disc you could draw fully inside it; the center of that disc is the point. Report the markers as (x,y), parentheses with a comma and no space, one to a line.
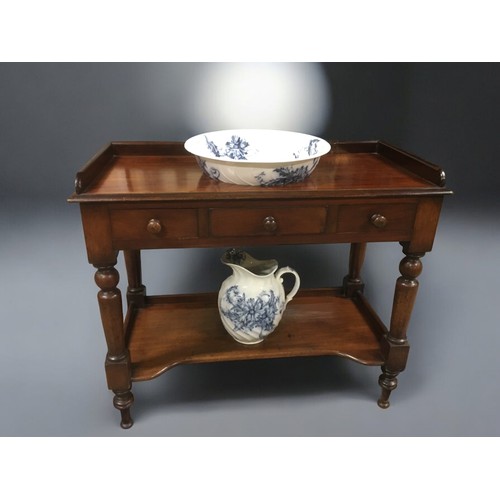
(150,195)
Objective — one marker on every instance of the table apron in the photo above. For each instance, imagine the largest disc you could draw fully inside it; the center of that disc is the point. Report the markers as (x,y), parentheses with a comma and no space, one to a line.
(129,226)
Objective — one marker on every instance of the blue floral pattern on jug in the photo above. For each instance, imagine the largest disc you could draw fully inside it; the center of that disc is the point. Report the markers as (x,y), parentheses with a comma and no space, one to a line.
(254,314)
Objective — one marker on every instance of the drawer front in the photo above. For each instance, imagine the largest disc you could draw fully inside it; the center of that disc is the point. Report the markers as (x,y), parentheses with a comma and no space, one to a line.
(228,222)
(154,224)
(381,221)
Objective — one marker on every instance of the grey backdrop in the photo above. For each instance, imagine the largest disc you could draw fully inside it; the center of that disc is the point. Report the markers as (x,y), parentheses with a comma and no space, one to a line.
(54,117)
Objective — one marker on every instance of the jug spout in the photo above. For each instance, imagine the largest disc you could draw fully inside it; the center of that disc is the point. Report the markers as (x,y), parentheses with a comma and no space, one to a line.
(236,258)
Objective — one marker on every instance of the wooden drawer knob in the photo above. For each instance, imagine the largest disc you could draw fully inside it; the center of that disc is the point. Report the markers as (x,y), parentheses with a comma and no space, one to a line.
(270,224)
(378,220)
(154,226)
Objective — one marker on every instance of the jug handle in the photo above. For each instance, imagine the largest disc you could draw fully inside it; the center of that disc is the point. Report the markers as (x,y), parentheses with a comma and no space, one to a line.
(296,286)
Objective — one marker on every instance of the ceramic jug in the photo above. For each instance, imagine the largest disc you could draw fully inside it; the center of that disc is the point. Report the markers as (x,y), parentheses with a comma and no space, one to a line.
(252,300)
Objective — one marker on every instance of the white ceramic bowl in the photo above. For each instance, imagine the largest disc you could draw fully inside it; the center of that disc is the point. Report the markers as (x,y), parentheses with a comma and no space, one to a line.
(257,157)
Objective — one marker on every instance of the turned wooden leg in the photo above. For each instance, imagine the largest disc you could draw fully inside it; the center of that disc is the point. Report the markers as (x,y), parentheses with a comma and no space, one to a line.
(136,291)
(388,382)
(117,363)
(123,401)
(397,347)
(352,282)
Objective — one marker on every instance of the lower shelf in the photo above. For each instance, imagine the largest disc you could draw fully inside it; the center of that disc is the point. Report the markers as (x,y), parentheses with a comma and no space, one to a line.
(172,330)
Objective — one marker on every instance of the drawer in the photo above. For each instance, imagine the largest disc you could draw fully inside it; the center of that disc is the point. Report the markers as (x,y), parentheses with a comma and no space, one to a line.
(391,221)
(154,224)
(267,221)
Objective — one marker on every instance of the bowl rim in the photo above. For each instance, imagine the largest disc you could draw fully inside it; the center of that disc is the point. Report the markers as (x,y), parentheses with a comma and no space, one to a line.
(192,146)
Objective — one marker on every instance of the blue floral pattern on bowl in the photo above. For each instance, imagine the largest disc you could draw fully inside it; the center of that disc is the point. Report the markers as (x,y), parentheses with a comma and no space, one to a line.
(311,149)
(212,172)
(286,175)
(236,148)
(212,147)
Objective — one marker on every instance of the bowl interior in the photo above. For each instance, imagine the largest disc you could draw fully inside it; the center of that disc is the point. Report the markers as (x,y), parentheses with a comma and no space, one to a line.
(256,146)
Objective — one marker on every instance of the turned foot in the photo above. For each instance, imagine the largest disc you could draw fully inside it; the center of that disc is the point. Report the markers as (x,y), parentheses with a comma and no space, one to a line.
(123,401)
(388,382)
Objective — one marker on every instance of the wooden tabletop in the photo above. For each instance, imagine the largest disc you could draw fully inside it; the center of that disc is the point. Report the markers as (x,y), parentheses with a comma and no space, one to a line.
(160,170)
